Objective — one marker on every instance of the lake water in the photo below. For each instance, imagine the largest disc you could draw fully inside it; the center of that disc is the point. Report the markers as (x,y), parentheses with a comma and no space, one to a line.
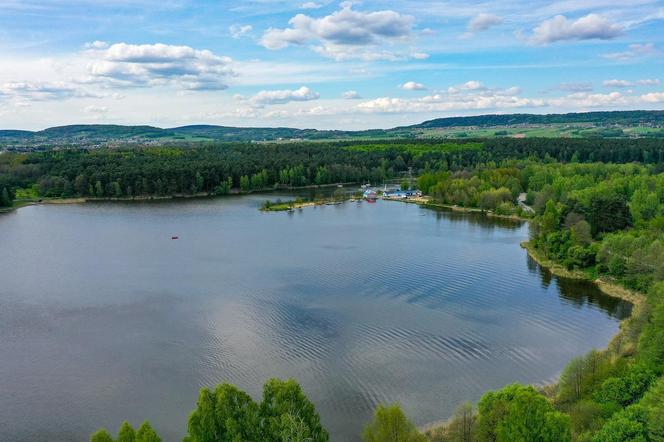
(103,317)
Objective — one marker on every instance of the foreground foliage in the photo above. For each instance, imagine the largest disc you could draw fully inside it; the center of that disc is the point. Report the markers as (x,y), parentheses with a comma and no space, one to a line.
(228,414)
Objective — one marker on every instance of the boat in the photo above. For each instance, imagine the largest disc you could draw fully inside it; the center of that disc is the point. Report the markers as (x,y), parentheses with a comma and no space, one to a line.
(175,237)
(370,195)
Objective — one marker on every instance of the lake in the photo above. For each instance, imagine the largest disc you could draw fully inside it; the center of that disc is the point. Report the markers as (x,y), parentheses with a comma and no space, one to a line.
(103,317)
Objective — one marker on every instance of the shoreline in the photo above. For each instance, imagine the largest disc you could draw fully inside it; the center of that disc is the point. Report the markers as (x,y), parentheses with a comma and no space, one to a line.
(607,287)
(426,201)
(620,344)
(81,200)
(624,342)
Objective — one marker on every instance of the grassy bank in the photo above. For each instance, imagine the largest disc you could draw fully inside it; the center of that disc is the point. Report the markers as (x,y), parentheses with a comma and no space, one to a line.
(429,202)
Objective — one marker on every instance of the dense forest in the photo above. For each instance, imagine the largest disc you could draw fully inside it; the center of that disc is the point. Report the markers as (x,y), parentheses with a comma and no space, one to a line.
(604,118)
(597,211)
(217,168)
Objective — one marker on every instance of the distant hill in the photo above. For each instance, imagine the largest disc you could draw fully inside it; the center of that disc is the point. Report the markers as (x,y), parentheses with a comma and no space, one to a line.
(627,118)
(589,124)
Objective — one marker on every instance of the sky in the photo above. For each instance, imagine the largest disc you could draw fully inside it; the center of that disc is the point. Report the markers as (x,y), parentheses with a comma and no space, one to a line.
(322,64)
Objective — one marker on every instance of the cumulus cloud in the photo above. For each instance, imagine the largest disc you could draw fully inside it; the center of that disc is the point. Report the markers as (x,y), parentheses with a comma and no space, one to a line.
(472,85)
(239,31)
(310,5)
(469,96)
(129,65)
(412,86)
(559,28)
(350,95)
(575,87)
(97,44)
(653,97)
(633,51)
(483,21)
(342,34)
(263,98)
(587,100)
(43,91)
(615,83)
(96,110)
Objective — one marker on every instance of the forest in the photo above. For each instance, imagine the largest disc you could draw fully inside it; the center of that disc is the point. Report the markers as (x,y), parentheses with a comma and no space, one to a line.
(218,168)
(596,210)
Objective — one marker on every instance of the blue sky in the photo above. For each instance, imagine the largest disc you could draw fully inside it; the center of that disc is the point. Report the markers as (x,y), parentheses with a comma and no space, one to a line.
(321,64)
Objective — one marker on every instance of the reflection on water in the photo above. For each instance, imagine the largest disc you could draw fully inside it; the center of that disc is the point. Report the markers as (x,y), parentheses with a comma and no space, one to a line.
(581,293)
(103,317)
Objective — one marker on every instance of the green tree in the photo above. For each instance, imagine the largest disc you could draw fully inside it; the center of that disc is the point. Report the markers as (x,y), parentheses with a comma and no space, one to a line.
(629,425)
(236,415)
(5,201)
(626,389)
(101,435)
(200,181)
(644,205)
(607,212)
(550,220)
(390,424)
(581,233)
(99,189)
(520,413)
(146,433)
(117,189)
(462,428)
(126,433)
(284,403)
(245,184)
(202,423)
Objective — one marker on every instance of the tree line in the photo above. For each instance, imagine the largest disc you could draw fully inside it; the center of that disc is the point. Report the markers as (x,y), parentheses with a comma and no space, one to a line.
(216,168)
(285,414)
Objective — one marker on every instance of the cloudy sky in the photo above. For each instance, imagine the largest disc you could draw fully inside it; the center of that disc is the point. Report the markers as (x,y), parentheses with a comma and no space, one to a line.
(322,64)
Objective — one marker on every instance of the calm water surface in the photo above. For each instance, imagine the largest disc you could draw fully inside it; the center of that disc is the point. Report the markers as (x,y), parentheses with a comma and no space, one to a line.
(103,317)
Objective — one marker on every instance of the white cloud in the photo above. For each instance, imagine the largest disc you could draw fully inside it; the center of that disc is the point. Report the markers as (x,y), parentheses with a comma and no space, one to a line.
(344,34)
(97,44)
(96,110)
(615,83)
(283,96)
(483,21)
(472,85)
(412,86)
(559,28)
(648,82)
(350,95)
(42,91)
(469,96)
(653,97)
(633,51)
(128,65)
(419,55)
(584,100)
(239,31)
(575,87)
(310,5)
